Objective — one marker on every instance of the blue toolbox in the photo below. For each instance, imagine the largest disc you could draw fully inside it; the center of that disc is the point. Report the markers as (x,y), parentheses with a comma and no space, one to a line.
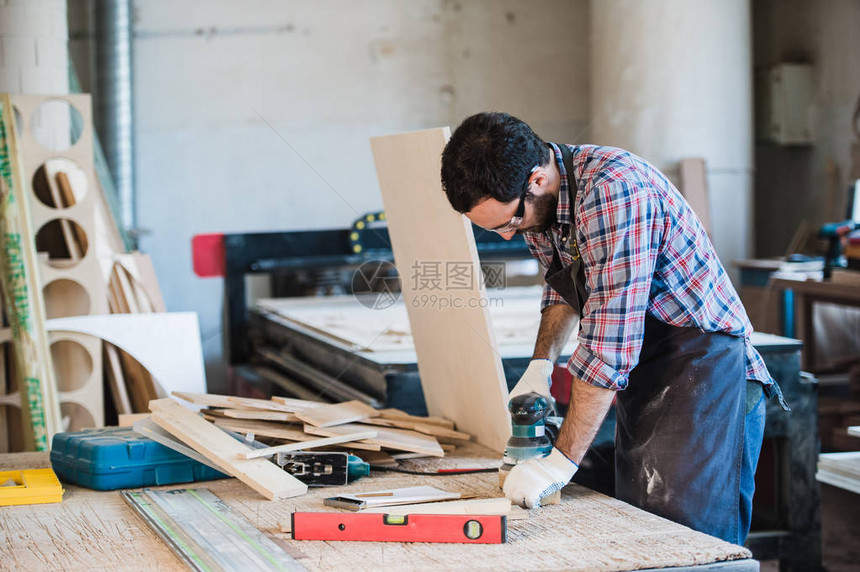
(118,458)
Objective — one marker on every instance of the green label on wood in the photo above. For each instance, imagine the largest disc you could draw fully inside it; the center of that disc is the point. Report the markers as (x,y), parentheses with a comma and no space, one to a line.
(13,275)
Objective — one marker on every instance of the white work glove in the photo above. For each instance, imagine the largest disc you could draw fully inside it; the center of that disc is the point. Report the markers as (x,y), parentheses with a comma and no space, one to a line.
(532,480)
(536,378)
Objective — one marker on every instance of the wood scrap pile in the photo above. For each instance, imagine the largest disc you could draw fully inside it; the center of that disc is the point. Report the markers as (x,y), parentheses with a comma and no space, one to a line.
(378,436)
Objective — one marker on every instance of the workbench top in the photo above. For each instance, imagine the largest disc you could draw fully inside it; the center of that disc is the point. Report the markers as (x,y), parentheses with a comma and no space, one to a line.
(587,531)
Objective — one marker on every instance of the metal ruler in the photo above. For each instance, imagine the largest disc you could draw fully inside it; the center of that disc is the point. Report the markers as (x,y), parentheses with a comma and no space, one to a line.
(205,533)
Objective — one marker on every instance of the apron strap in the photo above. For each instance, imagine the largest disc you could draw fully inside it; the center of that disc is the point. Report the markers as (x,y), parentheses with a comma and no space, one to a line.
(572,189)
(569,282)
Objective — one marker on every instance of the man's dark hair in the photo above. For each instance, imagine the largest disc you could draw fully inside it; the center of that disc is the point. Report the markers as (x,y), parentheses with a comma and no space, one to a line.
(490,155)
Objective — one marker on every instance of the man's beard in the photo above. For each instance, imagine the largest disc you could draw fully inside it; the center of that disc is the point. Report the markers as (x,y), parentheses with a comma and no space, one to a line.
(544,207)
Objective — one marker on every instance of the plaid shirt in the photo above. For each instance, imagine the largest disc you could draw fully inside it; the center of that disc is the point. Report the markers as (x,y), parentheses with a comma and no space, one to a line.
(643,250)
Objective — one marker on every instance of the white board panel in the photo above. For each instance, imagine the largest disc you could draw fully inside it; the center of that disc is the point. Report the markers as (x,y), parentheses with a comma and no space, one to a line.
(460,368)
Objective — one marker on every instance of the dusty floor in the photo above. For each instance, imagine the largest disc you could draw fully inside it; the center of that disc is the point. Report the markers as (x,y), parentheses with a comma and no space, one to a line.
(840,531)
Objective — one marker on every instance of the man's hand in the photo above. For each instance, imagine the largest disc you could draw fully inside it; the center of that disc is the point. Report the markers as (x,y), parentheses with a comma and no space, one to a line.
(530,481)
(536,378)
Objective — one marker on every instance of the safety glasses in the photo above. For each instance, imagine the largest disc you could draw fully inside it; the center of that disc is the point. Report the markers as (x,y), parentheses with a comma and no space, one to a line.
(517,219)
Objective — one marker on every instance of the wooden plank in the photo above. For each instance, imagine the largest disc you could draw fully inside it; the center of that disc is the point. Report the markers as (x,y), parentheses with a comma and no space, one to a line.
(114,302)
(230,402)
(278,431)
(263,476)
(68,199)
(71,238)
(337,413)
(5,336)
(205,399)
(398,415)
(148,280)
(694,188)
(27,307)
(455,343)
(126,289)
(129,419)
(398,439)
(313,444)
(433,430)
(116,380)
(139,382)
(379,458)
(295,405)
(269,405)
(261,415)
(441,432)
(259,428)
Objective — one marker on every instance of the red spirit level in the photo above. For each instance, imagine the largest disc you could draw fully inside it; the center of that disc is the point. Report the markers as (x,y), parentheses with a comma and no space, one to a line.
(464,528)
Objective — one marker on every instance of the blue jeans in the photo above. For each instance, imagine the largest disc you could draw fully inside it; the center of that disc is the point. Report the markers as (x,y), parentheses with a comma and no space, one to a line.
(753,433)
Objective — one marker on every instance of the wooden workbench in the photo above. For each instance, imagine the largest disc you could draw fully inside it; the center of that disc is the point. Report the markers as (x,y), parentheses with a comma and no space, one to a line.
(93,530)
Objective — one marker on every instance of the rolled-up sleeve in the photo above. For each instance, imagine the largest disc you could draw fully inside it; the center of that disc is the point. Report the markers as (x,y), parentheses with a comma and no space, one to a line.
(619,227)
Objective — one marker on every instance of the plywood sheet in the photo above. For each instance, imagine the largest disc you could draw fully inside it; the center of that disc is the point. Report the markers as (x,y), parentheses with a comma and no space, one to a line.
(263,476)
(167,345)
(454,341)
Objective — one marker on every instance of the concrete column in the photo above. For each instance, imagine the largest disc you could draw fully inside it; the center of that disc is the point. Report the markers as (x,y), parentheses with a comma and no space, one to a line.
(34,49)
(673,79)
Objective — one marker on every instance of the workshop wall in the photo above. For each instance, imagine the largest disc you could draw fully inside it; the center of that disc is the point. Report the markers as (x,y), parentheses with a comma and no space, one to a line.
(256,115)
(793,184)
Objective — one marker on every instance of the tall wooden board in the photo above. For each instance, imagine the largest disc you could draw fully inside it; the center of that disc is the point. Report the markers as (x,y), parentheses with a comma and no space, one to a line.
(461,372)
(22,290)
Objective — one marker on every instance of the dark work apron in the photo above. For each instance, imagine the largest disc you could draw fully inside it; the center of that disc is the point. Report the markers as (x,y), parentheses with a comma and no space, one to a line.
(680,421)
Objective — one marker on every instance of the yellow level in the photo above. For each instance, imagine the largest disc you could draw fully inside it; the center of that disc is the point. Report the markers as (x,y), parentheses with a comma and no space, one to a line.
(30,486)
